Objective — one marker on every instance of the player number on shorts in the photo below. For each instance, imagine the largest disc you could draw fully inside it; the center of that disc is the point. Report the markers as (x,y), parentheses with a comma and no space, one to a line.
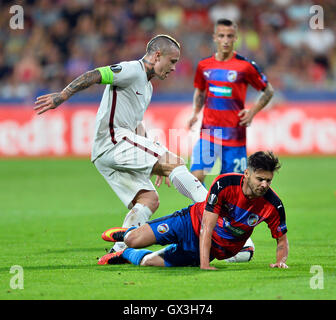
(239,165)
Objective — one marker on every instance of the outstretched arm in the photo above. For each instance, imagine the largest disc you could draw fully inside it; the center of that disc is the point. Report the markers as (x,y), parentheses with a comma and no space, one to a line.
(281,253)
(53,100)
(246,115)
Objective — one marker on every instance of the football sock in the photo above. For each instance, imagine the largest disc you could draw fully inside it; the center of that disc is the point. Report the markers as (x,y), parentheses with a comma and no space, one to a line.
(138,216)
(187,184)
(135,255)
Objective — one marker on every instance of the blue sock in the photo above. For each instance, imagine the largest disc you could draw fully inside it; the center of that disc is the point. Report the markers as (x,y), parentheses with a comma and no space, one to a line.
(135,255)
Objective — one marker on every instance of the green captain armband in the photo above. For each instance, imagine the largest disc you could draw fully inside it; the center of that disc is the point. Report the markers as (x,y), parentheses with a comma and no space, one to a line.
(106,74)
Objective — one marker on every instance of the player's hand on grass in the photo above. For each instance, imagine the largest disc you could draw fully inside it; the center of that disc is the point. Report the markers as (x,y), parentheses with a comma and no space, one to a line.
(208,268)
(48,101)
(280,265)
(158,181)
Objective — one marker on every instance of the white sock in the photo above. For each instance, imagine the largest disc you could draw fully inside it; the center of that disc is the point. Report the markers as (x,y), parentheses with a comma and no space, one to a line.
(187,184)
(138,216)
(245,254)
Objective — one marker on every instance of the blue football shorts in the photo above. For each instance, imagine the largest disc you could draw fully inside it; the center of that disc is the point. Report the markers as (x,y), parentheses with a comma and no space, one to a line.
(177,231)
(205,154)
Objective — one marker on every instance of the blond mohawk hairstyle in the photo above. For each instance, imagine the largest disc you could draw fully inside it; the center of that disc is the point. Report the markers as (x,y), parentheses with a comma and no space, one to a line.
(161,41)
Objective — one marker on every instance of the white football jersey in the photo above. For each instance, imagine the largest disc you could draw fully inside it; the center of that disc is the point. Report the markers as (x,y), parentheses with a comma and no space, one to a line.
(122,106)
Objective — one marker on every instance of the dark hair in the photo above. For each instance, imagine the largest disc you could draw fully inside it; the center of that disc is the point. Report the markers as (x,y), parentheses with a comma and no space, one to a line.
(161,42)
(226,22)
(263,160)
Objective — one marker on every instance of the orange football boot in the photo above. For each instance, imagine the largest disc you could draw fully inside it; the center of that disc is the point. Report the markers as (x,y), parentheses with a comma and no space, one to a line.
(114,234)
(113,258)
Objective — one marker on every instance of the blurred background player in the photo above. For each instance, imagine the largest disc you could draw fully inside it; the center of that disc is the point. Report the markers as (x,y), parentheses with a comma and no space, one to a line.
(121,152)
(221,83)
(215,228)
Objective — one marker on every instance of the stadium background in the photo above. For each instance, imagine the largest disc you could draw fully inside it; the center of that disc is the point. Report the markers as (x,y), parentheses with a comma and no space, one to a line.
(62,39)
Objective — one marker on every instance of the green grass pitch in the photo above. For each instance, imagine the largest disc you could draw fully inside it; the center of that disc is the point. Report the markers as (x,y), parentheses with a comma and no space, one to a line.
(53,212)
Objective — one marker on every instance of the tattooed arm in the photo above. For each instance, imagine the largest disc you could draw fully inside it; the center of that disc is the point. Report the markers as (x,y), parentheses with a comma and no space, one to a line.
(246,116)
(53,100)
(281,253)
(198,102)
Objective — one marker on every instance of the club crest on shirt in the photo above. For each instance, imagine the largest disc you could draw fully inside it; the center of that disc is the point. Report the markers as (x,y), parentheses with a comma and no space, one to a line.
(116,68)
(162,228)
(252,220)
(232,75)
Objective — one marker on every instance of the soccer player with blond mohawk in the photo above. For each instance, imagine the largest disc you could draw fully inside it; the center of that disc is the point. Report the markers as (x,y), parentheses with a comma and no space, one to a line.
(121,151)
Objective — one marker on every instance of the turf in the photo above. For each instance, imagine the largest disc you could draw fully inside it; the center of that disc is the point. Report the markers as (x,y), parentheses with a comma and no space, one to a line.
(53,212)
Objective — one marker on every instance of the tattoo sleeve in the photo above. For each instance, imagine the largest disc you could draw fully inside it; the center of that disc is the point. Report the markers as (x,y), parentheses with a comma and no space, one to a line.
(199,97)
(265,97)
(57,99)
(82,82)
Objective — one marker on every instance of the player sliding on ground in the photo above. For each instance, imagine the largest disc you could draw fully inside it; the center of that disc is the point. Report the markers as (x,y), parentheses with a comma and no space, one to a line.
(215,228)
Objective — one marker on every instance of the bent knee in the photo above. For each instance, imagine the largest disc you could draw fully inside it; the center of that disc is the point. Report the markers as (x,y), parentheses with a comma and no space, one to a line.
(147,260)
(140,237)
(131,239)
(154,204)
(152,259)
(150,199)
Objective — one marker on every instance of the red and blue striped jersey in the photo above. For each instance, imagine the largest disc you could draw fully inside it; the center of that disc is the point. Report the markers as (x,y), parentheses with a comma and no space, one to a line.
(237,215)
(225,84)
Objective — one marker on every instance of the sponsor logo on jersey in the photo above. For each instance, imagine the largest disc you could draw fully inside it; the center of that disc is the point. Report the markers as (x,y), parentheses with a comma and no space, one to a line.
(163,228)
(252,220)
(232,75)
(237,232)
(116,68)
(221,91)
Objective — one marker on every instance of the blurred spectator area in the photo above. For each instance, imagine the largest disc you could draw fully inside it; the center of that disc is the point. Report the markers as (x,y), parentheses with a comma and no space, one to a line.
(62,39)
